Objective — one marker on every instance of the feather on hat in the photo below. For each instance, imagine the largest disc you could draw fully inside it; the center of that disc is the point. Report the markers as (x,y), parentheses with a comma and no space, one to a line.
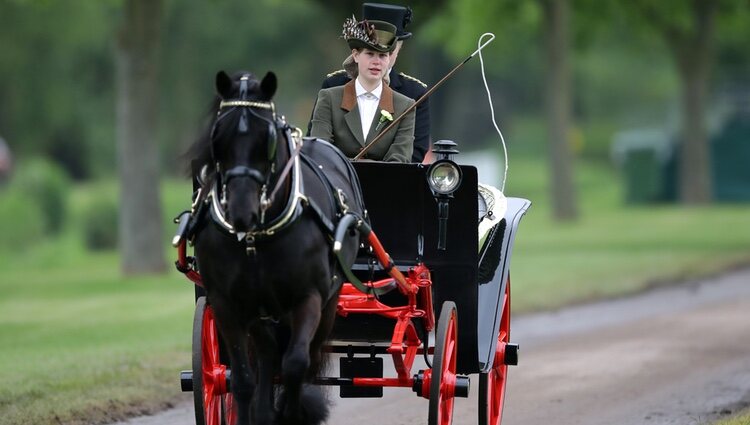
(379,36)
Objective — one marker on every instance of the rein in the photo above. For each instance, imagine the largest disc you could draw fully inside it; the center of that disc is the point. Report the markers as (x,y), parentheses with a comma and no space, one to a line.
(296,135)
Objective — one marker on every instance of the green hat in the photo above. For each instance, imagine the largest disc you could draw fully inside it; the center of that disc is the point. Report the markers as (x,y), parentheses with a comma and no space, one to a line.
(374,35)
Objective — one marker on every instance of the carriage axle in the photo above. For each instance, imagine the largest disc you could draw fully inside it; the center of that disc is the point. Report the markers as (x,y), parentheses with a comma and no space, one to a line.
(222,379)
(420,383)
(510,354)
(457,386)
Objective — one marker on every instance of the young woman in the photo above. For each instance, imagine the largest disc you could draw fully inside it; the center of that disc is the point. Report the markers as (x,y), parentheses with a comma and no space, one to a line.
(352,115)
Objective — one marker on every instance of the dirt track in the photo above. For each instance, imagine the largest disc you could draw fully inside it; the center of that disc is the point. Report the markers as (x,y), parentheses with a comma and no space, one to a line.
(678,355)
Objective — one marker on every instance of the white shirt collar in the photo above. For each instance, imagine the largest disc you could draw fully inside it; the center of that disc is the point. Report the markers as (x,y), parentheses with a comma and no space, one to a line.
(361,90)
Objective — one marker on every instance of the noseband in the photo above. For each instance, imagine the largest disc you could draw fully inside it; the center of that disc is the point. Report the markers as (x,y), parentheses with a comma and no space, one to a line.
(243,171)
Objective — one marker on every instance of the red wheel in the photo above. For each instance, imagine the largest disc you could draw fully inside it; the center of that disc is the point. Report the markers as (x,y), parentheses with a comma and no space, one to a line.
(492,383)
(443,375)
(213,404)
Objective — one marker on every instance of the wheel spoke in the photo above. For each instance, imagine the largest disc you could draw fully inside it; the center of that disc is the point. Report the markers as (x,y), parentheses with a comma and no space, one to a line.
(442,387)
(208,372)
(229,415)
(213,411)
(492,384)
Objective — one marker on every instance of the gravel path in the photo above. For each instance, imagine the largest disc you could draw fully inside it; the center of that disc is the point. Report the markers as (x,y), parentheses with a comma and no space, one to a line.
(677,355)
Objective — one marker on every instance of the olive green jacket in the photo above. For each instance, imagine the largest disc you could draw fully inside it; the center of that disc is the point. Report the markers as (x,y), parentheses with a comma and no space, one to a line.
(336,119)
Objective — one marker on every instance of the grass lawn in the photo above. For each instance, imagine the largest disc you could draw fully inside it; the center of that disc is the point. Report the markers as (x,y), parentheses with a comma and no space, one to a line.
(741,419)
(613,249)
(82,344)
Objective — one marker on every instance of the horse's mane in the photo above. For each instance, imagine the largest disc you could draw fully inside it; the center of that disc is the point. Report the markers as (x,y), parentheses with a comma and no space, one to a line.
(199,152)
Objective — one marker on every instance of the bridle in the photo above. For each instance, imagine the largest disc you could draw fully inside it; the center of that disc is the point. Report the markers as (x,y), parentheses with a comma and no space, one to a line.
(276,125)
(245,106)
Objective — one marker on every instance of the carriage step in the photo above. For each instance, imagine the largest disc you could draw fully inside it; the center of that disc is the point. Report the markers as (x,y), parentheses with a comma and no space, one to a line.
(511,354)
(360,367)
(186,381)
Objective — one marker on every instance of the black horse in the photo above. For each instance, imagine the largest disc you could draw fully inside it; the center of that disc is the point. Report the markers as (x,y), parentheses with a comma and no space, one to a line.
(265,251)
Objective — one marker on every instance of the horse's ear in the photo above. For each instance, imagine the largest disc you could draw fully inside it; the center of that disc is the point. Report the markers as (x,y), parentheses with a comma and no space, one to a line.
(268,85)
(223,85)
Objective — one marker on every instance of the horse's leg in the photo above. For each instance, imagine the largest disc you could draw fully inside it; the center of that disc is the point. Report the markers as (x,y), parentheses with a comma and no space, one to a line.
(264,349)
(243,377)
(296,360)
(317,359)
(312,405)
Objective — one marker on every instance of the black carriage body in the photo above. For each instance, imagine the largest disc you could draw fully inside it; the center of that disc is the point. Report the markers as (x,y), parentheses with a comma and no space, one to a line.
(404,215)
(494,275)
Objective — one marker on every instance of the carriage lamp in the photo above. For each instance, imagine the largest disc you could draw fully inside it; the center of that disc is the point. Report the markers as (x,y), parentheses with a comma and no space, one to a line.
(445,149)
(444,177)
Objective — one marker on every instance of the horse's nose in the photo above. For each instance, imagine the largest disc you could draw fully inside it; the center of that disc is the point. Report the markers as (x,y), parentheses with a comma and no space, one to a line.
(244,223)
(241,219)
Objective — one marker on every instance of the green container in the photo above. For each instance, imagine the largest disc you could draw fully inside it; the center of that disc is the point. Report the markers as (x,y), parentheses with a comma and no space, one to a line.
(642,156)
(642,175)
(730,164)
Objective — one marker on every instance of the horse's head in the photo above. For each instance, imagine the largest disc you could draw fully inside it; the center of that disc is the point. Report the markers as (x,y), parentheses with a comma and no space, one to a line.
(244,143)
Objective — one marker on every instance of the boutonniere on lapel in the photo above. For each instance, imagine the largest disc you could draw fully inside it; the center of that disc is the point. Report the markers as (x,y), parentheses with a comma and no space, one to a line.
(384,116)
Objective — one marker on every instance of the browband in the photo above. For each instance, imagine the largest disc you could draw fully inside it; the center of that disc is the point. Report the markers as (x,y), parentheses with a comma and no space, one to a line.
(247,103)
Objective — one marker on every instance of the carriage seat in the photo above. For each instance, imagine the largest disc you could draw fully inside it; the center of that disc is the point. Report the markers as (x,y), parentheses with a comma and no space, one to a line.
(492,207)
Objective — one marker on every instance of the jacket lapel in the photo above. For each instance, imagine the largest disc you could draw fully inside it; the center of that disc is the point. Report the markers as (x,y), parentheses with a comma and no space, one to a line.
(351,116)
(386,103)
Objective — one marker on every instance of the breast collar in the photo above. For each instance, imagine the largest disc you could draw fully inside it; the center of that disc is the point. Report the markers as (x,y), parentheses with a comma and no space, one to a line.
(288,216)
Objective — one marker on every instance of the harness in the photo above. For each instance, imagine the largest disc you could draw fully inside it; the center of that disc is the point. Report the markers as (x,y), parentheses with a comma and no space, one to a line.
(211,195)
(216,198)
(296,204)
(210,199)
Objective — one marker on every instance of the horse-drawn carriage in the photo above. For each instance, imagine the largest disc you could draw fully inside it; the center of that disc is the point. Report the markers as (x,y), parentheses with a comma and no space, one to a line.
(428,275)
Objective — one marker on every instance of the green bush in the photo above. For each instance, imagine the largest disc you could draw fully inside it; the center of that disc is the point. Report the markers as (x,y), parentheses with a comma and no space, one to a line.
(100,225)
(49,187)
(21,221)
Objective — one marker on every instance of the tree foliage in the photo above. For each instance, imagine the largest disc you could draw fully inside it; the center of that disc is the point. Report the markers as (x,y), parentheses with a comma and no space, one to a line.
(293,38)
(689,31)
(57,69)
(56,79)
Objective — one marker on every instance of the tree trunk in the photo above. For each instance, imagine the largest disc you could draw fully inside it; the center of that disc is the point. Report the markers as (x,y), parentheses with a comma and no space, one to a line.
(695,156)
(693,59)
(558,100)
(137,61)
